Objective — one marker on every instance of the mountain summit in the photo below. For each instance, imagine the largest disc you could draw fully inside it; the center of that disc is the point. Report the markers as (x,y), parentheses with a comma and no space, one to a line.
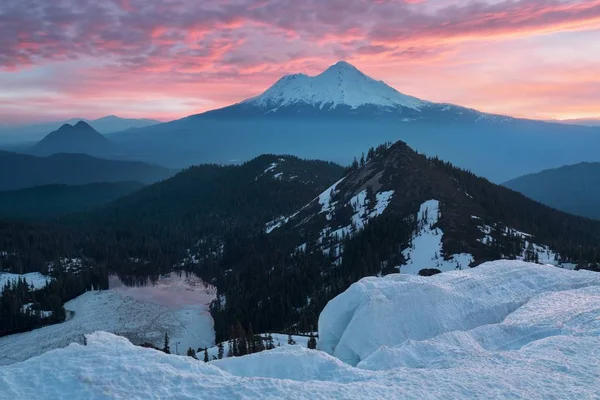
(78,138)
(341,85)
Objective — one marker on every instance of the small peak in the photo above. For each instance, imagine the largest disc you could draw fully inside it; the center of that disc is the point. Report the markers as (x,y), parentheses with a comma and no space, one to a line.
(65,127)
(83,125)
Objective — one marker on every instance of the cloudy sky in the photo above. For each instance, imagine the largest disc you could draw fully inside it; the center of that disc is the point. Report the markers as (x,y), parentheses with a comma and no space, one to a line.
(171,58)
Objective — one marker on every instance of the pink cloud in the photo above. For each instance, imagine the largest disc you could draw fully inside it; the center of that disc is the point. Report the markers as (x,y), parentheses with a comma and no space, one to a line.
(190,56)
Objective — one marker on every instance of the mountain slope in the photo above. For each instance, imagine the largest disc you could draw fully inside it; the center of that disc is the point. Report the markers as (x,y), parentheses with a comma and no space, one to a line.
(78,138)
(52,201)
(572,188)
(18,171)
(400,212)
(211,200)
(340,112)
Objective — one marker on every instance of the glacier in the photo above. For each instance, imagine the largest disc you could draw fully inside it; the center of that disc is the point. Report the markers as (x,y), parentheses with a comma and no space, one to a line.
(506,329)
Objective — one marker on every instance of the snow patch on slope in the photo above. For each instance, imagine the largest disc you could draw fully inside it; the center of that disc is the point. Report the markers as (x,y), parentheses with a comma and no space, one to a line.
(426,249)
(327,206)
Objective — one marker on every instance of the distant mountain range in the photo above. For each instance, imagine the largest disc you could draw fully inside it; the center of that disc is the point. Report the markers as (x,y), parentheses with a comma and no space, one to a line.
(580,121)
(78,138)
(340,112)
(108,124)
(571,188)
(18,171)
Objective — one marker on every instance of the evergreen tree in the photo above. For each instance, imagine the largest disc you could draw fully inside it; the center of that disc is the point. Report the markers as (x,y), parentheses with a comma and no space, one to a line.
(166,347)
(312,341)
(206,354)
(191,352)
(290,339)
(230,348)
(220,350)
(270,345)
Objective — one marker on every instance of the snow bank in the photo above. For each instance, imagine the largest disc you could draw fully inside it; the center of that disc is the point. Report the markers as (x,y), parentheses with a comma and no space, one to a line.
(501,330)
(290,362)
(389,311)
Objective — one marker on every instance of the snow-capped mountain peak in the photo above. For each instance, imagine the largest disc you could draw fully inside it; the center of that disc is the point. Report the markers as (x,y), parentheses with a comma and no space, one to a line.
(342,84)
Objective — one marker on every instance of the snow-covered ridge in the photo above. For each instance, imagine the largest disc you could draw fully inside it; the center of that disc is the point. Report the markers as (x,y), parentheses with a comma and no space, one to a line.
(340,84)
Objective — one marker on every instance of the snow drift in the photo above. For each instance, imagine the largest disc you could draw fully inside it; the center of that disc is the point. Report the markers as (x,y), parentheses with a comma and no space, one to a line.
(390,311)
(502,330)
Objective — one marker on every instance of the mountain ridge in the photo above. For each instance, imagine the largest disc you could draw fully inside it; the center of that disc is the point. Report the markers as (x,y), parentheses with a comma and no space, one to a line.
(20,171)
(576,192)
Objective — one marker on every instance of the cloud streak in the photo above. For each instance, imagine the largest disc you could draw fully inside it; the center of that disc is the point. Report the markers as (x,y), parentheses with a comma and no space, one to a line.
(209,54)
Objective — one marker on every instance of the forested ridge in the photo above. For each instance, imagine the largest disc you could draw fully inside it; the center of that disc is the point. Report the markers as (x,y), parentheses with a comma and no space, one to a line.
(211,220)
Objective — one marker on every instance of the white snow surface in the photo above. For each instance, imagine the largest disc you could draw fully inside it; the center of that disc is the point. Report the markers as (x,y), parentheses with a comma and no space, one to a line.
(177,305)
(402,311)
(506,329)
(325,199)
(426,250)
(34,278)
(341,84)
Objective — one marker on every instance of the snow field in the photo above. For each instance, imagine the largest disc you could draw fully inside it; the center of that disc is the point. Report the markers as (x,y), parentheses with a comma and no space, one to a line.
(506,329)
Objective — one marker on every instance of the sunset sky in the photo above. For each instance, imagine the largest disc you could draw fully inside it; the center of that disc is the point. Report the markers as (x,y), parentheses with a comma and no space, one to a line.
(168,59)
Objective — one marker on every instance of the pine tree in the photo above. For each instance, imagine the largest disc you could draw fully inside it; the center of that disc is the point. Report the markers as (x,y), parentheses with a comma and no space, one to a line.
(220,350)
(206,354)
(166,347)
(290,339)
(230,348)
(191,353)
(251,340)
(312,341)
(270,344)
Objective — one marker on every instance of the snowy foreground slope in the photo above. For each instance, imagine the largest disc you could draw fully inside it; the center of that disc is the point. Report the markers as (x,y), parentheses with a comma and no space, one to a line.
(176,305)
(502,330)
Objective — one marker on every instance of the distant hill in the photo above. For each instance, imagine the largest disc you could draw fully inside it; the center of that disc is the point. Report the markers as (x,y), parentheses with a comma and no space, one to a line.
(580,121)
(18,171)
(52,201)
(78,138)
(572,188)
(35,132)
